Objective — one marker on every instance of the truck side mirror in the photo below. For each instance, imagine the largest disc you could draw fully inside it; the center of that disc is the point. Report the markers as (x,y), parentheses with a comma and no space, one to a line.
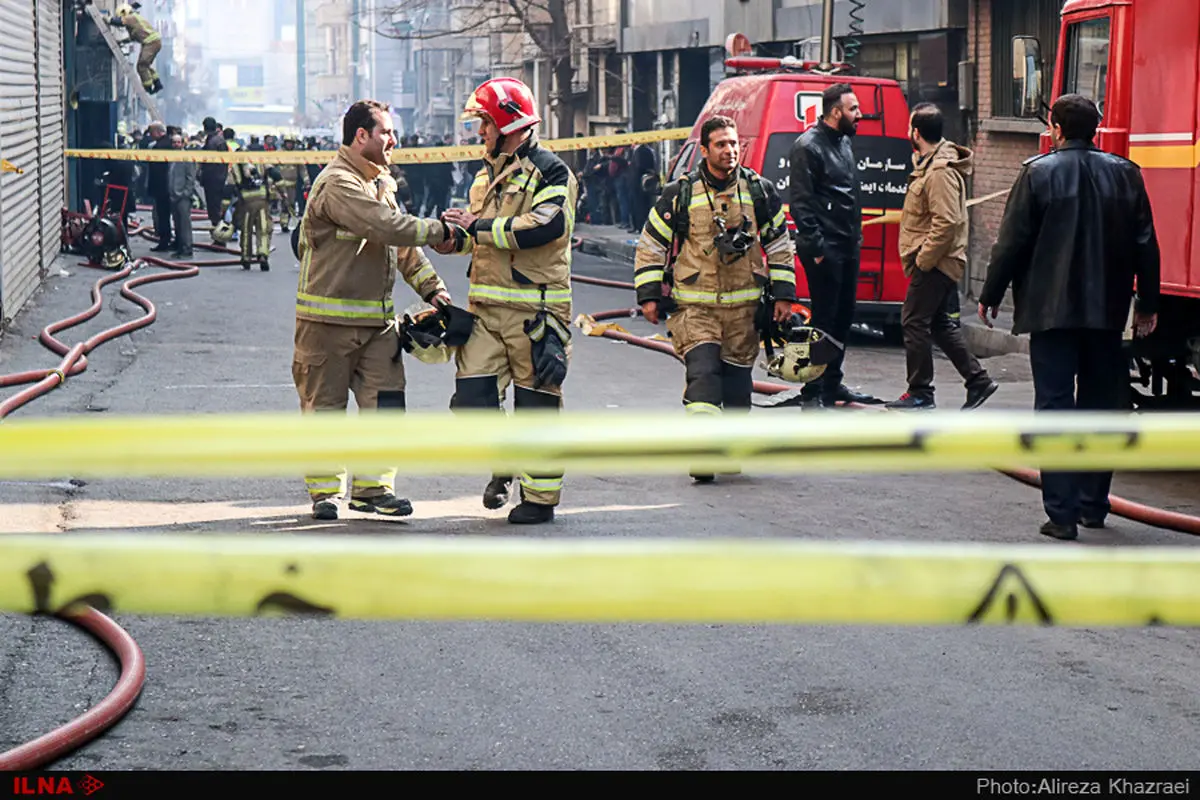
(1027,76)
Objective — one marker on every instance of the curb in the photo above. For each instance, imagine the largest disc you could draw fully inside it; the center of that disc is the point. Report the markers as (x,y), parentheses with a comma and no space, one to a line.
(983,341)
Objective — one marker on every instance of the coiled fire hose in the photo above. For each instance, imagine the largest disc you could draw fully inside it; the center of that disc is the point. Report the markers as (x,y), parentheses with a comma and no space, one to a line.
(120,700)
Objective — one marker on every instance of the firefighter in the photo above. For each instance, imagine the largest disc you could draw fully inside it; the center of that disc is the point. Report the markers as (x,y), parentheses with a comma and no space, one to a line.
(353,241)
(253,184)
(142,32)
(295,178)
(517,228)
(727,226)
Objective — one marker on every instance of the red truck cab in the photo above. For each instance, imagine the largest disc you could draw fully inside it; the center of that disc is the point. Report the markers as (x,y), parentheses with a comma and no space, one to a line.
(775,100)
(1139,61)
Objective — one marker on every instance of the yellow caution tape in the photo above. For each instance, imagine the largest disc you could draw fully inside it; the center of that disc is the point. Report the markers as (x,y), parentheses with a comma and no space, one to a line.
(416,155)
(601,580)
(469,442)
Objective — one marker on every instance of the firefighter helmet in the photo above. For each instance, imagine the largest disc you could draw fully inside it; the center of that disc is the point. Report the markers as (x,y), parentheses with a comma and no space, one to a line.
(432,334)
(804,356)
(507,102)
(222,233)
(123,10)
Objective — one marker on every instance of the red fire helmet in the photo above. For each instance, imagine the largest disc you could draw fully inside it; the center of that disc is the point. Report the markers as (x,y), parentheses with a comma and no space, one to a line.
(507,101)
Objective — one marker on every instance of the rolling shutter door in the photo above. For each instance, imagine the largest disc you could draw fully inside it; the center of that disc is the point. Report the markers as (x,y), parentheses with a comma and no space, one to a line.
(20,220)
(51,112)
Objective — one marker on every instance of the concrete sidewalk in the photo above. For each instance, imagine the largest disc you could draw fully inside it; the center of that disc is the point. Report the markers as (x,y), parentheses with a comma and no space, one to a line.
(618,246)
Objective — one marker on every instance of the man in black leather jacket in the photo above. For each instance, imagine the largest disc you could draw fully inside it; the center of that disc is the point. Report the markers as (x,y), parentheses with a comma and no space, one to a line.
(1077,231)
(825,207)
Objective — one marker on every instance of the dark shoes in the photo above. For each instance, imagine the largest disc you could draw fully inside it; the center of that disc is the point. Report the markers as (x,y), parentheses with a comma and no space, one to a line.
(495,494)
(911,402)
(325,510)
(979,395)
(528,513)
(1069,532)
(387,504)
(1064,532)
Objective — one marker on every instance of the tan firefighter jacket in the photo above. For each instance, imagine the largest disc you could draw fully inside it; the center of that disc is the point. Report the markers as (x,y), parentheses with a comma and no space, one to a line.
(353,240)
(293,175)
(700,274)
(140,30)
(521,244)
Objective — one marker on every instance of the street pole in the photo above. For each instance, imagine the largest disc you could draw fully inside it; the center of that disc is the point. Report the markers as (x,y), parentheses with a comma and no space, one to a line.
(301,60)
(355,53)
(827,36)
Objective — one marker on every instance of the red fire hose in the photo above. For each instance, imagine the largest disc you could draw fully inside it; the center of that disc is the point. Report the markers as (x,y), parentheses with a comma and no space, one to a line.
(120,700)
(1147,515)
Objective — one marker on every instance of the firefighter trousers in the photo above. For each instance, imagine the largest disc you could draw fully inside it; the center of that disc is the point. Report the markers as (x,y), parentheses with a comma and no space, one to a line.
(254,226)
(718,345)
(287,206)
(328,363)
(498,353)
(145,62)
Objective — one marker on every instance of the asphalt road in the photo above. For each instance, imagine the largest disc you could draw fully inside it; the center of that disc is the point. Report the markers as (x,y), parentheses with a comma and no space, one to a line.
(304,693)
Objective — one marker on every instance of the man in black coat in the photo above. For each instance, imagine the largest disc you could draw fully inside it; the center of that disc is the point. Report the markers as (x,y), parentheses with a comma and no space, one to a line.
(213,176)
(1077,232)
(159,191)
(825,207)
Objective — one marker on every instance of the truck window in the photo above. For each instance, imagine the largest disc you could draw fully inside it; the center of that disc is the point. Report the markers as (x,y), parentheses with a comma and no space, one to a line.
(1087,60)
(681,164)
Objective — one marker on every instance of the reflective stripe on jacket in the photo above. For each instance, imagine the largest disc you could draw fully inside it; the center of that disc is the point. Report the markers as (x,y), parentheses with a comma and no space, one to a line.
(521,244)
(701,275)
(354,239)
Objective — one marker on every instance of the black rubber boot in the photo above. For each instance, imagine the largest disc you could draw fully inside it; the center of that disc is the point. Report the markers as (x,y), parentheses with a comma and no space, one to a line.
(495,494)
(387,504)
(531,514)
(325,510)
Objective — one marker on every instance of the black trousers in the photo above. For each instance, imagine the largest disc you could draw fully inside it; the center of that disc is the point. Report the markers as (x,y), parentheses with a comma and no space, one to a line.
(162,221)
(1076,369)
(833,289)
(214,193)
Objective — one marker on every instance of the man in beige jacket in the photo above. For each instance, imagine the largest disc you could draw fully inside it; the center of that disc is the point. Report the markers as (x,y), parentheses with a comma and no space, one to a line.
(353,241)
(933,249)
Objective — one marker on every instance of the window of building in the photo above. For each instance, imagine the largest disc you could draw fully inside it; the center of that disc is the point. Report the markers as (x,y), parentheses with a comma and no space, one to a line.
(1011,18)
(614,87)
(593,77)
(250,75)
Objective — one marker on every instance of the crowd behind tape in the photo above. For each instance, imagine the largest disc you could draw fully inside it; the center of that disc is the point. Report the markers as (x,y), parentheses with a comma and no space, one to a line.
(401,155)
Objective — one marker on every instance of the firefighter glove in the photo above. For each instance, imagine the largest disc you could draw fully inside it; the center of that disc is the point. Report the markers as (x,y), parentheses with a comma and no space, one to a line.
(550,339)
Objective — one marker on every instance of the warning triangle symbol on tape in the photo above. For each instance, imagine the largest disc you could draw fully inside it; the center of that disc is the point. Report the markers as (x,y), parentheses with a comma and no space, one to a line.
(1011,599)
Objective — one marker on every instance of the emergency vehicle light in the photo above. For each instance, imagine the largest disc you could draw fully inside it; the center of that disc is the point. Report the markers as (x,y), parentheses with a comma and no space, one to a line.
(785,63)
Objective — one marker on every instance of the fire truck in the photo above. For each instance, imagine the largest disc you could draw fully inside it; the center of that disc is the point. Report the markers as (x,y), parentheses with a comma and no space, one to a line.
(773,101)
(1139,61)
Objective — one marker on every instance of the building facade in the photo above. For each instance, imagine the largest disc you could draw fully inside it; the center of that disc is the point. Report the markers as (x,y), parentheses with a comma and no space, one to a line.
(32,140)
(1001,141)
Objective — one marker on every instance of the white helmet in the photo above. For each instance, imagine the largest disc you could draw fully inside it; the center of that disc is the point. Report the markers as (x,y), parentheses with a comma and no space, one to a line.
(123,10)
(802,359)
(222,233)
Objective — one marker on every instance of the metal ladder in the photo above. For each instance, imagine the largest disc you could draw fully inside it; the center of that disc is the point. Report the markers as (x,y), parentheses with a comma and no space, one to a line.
(130,68)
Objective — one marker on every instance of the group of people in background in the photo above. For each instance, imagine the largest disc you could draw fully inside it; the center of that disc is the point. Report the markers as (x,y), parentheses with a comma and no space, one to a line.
(620,185)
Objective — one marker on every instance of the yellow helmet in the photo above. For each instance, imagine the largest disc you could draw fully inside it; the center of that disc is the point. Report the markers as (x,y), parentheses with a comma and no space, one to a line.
(115,259)
(222,233)
(802,359)
(123,10)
